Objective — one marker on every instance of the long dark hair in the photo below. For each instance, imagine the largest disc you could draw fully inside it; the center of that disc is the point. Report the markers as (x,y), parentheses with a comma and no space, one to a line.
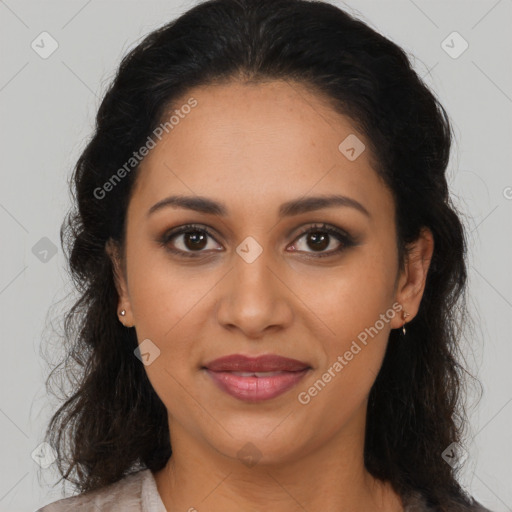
(113,423)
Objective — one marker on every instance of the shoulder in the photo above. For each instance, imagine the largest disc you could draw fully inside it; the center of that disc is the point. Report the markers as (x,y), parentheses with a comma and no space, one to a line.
(125,494)
(417,502)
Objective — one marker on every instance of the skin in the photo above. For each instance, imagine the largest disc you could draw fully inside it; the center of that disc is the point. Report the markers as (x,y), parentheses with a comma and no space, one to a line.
(254,147)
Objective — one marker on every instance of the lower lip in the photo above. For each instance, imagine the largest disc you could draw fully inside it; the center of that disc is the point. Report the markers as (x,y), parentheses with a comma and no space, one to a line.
(256,389)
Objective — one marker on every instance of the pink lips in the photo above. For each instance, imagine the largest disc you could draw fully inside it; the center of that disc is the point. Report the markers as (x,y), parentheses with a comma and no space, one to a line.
(235,375)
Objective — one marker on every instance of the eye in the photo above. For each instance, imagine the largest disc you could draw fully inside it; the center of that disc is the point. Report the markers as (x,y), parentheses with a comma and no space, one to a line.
(320,237)
(187,240)
(191,240)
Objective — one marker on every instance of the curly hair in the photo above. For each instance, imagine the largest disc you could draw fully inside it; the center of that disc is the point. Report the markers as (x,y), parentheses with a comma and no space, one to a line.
(113,423)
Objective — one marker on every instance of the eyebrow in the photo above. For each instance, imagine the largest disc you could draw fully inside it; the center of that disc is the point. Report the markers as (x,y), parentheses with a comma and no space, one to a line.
(288,209)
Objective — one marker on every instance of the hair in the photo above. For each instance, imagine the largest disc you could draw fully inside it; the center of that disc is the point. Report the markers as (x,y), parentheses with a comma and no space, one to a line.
(113,423)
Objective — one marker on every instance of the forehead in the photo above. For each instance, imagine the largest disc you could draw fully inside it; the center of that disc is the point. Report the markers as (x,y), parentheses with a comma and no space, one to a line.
(245,141)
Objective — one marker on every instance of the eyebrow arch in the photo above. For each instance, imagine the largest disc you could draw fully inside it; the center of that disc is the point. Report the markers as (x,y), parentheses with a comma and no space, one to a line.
(288,209)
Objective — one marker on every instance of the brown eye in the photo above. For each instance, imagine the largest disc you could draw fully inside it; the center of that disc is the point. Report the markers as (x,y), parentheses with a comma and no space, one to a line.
(189,241)
(195,240)
(319,238)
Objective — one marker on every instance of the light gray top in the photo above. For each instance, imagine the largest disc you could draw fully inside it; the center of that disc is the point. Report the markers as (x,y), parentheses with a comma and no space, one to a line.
(138,492)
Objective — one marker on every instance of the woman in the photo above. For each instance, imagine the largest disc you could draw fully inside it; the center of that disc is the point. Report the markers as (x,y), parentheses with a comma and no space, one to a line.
(272,275)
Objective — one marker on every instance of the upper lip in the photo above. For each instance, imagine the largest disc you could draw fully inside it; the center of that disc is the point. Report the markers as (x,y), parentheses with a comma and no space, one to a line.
(264,363)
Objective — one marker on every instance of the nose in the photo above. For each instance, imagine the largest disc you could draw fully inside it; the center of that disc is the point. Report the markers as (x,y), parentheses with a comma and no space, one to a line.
(254,298)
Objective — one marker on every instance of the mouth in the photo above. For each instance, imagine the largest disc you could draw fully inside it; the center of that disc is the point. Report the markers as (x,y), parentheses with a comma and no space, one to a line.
(258,386)
(256,379)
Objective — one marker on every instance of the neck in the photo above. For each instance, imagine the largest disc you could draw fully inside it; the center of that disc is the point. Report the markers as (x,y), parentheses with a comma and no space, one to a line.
(327,477)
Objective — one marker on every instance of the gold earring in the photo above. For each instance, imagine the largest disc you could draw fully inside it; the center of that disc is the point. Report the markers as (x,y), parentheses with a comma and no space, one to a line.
(404,316)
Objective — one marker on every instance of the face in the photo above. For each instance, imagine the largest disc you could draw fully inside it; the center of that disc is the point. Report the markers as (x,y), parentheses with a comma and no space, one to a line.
(269,270)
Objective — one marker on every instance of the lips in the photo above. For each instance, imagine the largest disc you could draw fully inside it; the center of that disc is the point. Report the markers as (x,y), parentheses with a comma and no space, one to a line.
(256,379)
(265,363)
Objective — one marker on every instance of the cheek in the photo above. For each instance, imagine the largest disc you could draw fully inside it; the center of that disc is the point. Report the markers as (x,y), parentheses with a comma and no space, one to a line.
(168,303)
(351,358)
(356,307)
(354,295)
(161,293)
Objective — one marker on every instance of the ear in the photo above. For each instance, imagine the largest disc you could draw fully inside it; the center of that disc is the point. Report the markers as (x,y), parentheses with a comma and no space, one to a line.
(413,278)
(113,250)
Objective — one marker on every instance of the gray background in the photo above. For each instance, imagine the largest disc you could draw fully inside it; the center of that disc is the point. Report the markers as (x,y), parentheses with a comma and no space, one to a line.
(47,110)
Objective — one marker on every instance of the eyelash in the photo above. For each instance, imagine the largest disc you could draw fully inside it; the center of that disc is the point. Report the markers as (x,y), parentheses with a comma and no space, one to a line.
(343,237)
